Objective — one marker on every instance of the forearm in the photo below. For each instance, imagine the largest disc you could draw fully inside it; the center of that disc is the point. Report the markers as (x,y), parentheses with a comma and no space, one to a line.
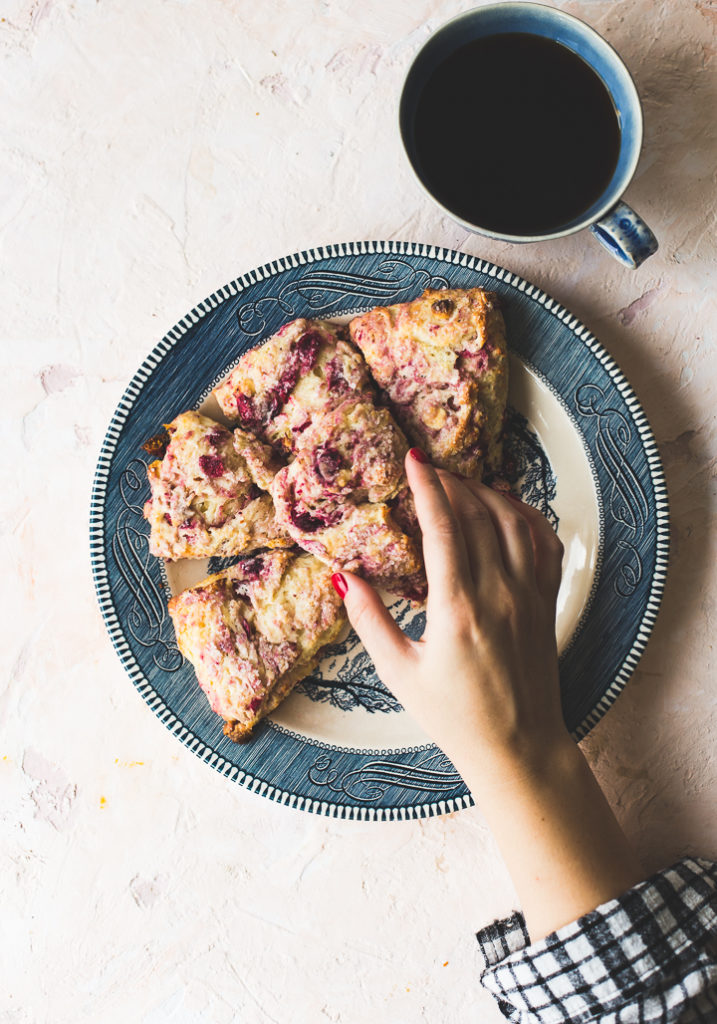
(563,847)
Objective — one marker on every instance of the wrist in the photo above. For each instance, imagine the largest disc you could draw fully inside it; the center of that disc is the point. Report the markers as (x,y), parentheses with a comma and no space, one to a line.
(521,768)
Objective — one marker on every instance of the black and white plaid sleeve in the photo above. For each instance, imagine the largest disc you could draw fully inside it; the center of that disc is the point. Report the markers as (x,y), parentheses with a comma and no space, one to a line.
(648,956)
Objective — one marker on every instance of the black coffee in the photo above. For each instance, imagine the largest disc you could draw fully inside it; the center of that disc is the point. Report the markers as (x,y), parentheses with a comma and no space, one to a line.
(515,133)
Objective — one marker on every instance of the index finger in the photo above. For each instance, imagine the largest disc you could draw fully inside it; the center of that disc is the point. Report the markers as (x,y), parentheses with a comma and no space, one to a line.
(444,547)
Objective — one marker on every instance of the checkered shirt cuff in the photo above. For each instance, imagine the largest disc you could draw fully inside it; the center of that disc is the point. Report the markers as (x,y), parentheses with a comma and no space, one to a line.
(648,956)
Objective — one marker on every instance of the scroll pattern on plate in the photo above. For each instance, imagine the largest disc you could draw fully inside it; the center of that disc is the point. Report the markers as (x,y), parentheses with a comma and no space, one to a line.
(323,290)
(147,619)
(626,499)
(435,774)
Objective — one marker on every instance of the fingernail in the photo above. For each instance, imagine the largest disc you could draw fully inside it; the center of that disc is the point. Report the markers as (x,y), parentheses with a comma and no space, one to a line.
(340,585)
(418,455)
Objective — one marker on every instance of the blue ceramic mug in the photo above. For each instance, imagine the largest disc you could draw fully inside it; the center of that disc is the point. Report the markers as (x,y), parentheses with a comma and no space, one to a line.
(623,233)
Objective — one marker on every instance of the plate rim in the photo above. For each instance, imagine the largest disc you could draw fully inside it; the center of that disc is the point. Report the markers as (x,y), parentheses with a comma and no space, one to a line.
(100,572)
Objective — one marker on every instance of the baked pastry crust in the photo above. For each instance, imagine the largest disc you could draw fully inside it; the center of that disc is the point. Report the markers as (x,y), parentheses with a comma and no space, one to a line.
(345,498)
(210,492)
(276,389)
(442,361)
(255,630)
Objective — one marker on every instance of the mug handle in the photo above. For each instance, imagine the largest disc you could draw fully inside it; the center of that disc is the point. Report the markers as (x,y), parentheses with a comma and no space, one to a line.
(625,234)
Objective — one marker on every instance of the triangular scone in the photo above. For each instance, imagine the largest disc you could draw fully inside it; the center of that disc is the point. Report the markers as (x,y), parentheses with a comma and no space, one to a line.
(442,361)
(275,390)
(345,499)
(209,492)
(253,631)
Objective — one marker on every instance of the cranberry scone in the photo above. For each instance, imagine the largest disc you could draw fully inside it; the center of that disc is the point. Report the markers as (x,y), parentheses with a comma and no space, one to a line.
(442,361)
(345,499)
(255,630)
(275,390)
(209,492)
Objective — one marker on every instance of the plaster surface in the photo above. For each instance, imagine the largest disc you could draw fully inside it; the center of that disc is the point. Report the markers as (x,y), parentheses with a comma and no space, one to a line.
(149,153)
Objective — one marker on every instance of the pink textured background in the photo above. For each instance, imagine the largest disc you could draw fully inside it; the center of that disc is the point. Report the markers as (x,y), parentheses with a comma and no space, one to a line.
(150,153)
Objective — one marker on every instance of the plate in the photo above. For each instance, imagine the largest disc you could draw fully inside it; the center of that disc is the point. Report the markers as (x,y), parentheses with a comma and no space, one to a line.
(579,446)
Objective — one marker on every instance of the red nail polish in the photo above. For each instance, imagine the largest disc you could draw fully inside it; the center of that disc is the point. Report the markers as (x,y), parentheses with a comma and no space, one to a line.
(418,455)
(340,585)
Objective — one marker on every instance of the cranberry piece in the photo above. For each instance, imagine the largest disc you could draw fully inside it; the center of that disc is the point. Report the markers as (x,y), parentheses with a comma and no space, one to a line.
(167,518)
(218,437)
(300,360)
(478,360)
(285,385)
(309,522)
(246,411)
(251,568)
(308,346)
(335,379)
(328,462)
(305,521)
(211,465)
(255,704)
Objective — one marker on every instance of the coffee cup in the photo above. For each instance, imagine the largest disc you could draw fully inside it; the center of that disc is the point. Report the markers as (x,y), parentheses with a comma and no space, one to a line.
(511,75)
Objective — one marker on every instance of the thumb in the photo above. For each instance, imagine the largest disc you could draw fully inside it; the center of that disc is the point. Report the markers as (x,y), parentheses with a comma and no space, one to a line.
(388,647)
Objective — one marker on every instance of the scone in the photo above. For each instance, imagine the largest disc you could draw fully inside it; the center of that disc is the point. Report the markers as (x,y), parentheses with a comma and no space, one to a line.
(253,631)
(210,492)
(443,363)
(276,389)
(345,499)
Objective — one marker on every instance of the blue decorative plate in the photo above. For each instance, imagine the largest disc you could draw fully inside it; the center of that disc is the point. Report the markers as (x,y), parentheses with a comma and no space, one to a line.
(579,446)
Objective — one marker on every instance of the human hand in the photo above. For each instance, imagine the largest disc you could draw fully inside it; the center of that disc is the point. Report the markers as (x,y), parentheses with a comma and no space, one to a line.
(483,683)
(483,679)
